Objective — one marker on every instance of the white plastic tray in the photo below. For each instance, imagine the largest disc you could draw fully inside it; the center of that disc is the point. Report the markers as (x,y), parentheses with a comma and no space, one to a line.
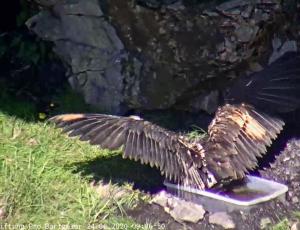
(265,190)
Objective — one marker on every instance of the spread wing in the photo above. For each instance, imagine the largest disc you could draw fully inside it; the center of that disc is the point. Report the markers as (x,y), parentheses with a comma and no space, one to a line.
(238,135)
(274,89)
(139,140)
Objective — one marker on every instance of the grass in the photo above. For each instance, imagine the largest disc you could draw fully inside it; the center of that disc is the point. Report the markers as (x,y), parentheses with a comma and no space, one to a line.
(282,225)
(197,133)
(285,223)
(36,187)
(41,180)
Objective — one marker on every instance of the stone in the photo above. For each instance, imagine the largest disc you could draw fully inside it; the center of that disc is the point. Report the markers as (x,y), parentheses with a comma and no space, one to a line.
(91,48)
(161,199)
(295,200)
(222,219)
(188,212)
(265,223)
(295,226)
(246,33)
(180,210)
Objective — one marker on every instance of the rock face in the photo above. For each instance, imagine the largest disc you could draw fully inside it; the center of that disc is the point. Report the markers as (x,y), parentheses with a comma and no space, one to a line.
(157,54)
(89,46)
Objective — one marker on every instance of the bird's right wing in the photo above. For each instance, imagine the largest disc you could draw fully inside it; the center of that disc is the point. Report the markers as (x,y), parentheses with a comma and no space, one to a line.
(238,135)
(140,140)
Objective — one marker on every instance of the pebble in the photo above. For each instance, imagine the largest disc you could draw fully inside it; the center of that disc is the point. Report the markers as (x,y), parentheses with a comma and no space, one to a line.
(161,199)
(222,219)
(295,200)
(265,223)
(295,226)
(180,210)
(187,211)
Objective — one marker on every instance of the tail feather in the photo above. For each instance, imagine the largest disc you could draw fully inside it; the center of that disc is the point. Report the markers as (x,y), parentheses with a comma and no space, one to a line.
(274,89)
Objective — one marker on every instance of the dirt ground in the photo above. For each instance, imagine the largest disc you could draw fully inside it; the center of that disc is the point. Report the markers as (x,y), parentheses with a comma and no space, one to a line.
(282,164)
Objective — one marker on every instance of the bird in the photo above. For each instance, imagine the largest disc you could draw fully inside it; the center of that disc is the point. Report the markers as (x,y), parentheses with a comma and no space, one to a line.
(238,135)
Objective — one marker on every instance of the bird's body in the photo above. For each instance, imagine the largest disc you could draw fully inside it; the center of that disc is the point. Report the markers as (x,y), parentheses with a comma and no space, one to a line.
(237,136)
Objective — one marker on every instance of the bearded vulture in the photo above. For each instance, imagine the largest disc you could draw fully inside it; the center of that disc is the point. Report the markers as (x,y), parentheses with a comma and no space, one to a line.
(238,135)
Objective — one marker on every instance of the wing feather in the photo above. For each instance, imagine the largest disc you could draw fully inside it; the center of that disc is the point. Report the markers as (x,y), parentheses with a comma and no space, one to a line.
(102,133)
(81,125)
(91,132)
(238,135)
(144,149)
(129,146)
(140,140)
(112,137)
(156,156)
(118,139)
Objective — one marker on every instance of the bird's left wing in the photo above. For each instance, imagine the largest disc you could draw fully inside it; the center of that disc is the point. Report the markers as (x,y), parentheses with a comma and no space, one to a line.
(238,135)
(139,140)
